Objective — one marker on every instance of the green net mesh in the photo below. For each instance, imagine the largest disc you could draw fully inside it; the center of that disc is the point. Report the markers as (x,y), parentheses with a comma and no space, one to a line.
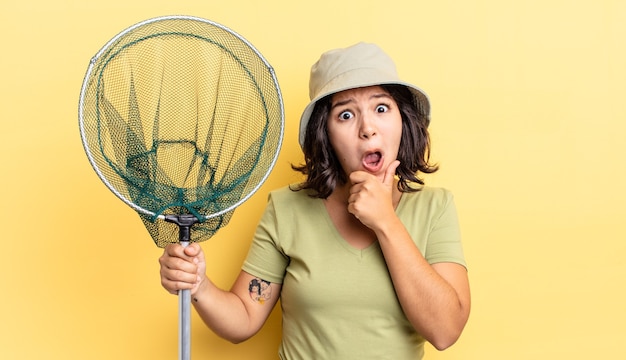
(181,116)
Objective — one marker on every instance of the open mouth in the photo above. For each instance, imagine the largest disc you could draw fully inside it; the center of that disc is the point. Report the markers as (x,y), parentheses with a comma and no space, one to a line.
(372,161)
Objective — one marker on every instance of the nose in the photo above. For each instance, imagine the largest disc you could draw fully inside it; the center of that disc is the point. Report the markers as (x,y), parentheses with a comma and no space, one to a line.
(367,129)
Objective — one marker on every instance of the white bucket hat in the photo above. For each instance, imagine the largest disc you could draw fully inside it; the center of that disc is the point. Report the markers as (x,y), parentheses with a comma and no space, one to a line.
(359,65)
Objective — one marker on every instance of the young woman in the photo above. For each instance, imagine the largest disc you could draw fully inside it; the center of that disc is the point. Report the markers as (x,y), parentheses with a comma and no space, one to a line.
(367,261)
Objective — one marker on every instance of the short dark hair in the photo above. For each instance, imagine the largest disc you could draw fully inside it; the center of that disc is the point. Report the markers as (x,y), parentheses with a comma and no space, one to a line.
(322,168)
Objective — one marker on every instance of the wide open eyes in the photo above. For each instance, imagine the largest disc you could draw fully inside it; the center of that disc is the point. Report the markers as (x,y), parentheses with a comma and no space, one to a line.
(346,115)
(382,108)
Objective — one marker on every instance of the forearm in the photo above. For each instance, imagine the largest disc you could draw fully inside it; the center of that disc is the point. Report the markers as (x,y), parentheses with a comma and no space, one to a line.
(233,315)
(223,312)
(433,305)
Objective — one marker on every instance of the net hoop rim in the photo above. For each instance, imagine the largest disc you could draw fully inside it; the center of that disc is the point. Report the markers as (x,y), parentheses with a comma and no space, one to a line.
(112,41)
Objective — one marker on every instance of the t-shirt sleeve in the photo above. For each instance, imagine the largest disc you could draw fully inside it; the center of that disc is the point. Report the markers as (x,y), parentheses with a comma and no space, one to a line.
(265,258)
(444,240)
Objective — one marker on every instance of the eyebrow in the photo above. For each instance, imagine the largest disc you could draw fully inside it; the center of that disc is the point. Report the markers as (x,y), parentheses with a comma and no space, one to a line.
(349,100)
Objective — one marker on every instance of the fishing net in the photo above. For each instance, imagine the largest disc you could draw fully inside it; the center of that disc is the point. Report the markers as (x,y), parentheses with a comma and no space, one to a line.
(183,120)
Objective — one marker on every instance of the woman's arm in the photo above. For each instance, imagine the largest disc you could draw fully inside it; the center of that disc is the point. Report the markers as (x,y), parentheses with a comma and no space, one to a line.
(234,315)
(435,298)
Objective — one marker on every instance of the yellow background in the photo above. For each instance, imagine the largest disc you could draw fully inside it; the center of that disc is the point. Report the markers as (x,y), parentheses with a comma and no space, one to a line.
(529,113)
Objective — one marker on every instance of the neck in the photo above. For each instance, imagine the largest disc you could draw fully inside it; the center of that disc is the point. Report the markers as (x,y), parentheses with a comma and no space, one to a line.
(341,194)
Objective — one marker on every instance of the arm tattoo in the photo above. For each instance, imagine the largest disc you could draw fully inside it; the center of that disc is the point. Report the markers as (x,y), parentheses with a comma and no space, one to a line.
(260,290)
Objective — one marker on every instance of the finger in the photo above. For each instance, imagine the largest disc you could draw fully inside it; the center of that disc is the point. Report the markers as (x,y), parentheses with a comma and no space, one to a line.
(184,263)
(390,173)
(174,286)
(174,250)
(357,177)
(179,276)
(179,271)
(171,257)
(355,188)
(192,250)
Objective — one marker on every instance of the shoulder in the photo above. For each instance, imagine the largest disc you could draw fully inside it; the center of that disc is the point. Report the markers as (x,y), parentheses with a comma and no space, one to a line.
(434,196)
(288,198)
(427,204)
(289,193)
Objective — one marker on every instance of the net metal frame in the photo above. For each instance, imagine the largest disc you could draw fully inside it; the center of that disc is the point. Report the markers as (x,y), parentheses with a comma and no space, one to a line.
(85,86)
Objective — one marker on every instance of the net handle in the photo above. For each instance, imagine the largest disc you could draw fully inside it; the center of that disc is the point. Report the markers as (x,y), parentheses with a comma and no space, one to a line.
(184,222)
(184,321)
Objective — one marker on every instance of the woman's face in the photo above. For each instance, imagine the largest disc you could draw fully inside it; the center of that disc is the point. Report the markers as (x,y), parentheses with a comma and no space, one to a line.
(364,128)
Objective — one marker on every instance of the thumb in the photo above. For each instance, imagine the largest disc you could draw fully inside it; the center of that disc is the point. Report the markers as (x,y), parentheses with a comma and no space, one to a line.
(192,249)
(391,172)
